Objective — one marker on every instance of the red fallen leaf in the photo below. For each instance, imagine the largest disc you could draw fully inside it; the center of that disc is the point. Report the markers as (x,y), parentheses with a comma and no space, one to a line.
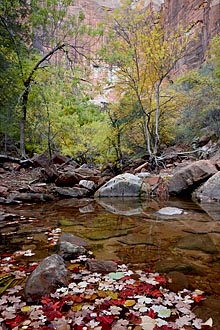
(22,268)
(125,278)
(160,279)
(125,293)
(151,314)
(108,319)
(51,315)
(117,302)
(134,319)
(106,326)
(163,327)
(75,270)
(5,254)
(198,298)
(46,300)
(15,322)
(31,268)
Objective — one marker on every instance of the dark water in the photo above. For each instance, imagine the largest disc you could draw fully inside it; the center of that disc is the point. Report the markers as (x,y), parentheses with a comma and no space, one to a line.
(128,230)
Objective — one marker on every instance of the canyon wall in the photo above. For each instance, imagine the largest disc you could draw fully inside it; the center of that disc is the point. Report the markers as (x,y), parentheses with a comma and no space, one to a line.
(204,14)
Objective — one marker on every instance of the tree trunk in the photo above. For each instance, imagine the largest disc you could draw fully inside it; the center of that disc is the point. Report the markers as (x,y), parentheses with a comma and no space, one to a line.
(23,119)
(27,85)
(157,115)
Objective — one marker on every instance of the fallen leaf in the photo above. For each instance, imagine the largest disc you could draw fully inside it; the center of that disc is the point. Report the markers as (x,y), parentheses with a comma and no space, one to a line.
(129,303)
(117,275)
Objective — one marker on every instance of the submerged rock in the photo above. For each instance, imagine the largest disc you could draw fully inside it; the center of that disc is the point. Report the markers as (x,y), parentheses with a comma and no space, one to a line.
(170,211)
(201,242)
(123,206)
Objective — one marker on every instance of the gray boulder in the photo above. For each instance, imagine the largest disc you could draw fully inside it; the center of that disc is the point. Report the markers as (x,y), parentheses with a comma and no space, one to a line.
(88,184)
(210,190)
(123,185)
(190,176)
(50,274)
(71,246)
(70,251)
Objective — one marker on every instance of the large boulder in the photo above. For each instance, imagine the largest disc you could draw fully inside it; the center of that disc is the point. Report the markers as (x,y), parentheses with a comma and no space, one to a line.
(210,190)
(46,278)
(123,185)
(191,176)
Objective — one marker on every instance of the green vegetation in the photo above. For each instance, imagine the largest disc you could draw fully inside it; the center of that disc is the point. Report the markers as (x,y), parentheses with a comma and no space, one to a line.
(46,89)
(200,111)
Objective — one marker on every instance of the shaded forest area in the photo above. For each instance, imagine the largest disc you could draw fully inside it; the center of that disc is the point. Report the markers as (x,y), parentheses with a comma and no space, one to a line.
(49,56)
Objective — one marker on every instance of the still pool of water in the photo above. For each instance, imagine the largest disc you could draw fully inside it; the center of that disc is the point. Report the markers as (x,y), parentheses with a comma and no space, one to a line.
(129,230)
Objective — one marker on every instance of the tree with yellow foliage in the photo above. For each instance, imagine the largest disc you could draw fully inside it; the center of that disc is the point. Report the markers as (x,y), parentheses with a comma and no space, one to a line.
(144,53)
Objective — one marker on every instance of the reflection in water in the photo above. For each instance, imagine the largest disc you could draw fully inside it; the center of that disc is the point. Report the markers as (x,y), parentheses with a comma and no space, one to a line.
(122,206)
(127,229)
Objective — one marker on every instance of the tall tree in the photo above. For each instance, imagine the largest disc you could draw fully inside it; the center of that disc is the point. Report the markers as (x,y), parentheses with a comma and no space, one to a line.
(144,53)
(38,31)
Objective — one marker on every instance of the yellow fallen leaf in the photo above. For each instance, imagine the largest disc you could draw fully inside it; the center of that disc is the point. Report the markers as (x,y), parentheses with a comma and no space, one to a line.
(112,294)
(129,303)
(26,309)
(76,308)
(73,266)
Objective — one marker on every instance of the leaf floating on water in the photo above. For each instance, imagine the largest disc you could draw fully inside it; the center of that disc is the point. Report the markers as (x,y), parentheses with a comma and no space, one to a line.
(117,275)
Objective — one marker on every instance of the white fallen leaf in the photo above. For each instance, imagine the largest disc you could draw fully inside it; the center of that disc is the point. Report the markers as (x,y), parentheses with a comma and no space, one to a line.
(148,323)
(115,310)
(144,300)
(161,322)
(162,311)
(197,323)
(209,322)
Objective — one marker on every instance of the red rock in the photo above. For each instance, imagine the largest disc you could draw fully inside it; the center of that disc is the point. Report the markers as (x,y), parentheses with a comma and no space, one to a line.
(101,266)
(152,181)
(190,176)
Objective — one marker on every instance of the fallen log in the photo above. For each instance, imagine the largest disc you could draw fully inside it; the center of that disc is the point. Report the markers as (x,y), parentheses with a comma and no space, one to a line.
(22,162)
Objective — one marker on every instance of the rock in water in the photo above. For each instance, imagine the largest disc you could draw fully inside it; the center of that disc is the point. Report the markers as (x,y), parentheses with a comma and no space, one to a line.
(170,211)
(123,185)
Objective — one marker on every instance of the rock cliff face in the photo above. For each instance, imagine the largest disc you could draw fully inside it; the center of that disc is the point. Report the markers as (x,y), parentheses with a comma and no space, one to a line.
(205,14)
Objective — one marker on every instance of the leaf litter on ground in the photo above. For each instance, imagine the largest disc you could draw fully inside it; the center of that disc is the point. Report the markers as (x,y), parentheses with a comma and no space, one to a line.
(125,299)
